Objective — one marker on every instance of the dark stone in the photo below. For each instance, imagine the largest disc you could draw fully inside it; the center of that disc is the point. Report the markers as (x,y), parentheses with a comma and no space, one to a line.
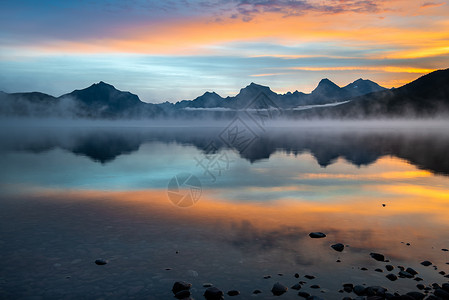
(347,287)
(445,287)
(442,273)
(315,286)
(359,290)
(389,268)
(309,276)
(182,294)
(233,293)
(392,277)
(347,298)
(257,292)
(296,275)
(375,298)
(444,249)
(317,235)
(436,286)
(379,270)
(213,293)
(426,263)
(101,262)
(267,277)
(418,279)
(314,298)
(377,256)
(180,286)
(375,291)
(411,271)
(401,268)
(364,269)
(207,284)
(303,294)
(297,286)
(405,274)
(441,293)
(416,295)
(338,247)
(420,286)
(279,289)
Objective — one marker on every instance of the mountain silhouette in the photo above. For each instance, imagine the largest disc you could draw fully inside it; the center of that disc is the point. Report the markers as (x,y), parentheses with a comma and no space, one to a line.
(427,96)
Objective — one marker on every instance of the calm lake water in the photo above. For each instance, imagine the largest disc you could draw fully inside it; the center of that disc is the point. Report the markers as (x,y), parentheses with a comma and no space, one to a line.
(71,195)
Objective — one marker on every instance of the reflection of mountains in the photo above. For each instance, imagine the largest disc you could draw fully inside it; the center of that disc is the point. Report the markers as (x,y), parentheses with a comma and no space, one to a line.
(424,149)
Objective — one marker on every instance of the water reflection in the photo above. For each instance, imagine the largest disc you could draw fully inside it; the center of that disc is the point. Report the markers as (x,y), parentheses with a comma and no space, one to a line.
(425,148)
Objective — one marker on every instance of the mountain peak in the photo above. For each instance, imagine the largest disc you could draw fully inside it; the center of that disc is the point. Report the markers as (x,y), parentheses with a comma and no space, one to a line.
(326,87)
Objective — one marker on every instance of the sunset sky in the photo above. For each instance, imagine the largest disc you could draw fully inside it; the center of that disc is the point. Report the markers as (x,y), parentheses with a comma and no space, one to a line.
(174,50)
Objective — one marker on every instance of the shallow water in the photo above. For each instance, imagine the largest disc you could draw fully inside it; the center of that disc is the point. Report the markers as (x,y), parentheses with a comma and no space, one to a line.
(73,195)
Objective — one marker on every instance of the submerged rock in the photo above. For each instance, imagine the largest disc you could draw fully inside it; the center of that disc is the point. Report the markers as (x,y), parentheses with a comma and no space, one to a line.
(411,271)
(389,268)
(392,277)
(257,292)
(181,286)
(309,276)
(338,247)
(317,235)
(297,286)
(359,290)
(213,293)
(182,294)
(101,262)
(441,293)
(416,295)
(347,287)
(279,289)
(233,293)
(405,274)
(303,294)
(377,256)
(426,263)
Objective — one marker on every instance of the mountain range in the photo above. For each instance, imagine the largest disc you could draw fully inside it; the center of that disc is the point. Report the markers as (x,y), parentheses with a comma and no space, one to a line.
(426,96)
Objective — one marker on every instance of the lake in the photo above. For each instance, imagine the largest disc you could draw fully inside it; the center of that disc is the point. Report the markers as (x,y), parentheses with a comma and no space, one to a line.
(226,204)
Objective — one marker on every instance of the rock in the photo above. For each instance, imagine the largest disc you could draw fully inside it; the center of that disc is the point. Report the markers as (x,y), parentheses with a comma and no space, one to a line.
(379,270)
(347,287)
(444,249)
(392,277)
(364,269)
(416,295)
(442,273)
(377,256)
(213,293)
(181,286)
(426,263)
(347,298)
(303,294)
(207,284)
(255,292)
(314,298)
(401,268)
(101,262)
(420,286)
(383,205)
(315,286)
(296,275)
(445,287)
(441,293)
(418,279)
(267,277)
(309,276)
(375,291)
(389,268)
(317,235)
(233,293)
(359,290)
(279,289)
(375,298)
(436,286)
(405,274)
(297,286)
(338,247)
(182,294)
(411,271)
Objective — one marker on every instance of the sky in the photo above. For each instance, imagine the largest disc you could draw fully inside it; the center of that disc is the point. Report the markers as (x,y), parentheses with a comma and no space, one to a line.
(174,50)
